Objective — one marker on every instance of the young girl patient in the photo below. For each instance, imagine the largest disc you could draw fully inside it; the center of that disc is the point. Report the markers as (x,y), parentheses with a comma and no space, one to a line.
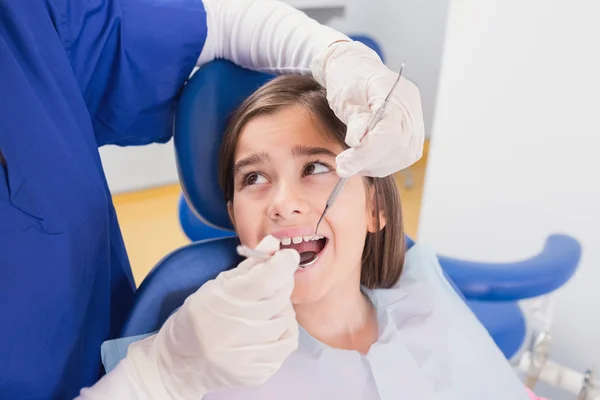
(375,323)
(369,329)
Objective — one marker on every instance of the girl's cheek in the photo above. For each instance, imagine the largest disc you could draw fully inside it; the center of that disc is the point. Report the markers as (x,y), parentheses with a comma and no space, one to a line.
(352,200)
(247,233)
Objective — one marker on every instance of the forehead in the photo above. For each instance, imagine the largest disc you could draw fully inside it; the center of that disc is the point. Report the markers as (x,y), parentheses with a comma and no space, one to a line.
(282,131)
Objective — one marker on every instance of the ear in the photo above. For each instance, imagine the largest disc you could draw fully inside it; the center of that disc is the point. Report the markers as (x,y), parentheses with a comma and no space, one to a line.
(372,215)
(230,212)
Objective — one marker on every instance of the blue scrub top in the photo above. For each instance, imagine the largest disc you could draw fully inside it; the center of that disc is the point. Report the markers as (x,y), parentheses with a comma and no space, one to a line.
(75,75)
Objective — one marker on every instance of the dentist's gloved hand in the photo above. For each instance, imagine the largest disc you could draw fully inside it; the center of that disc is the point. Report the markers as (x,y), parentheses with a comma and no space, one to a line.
(236,330)
(357,81)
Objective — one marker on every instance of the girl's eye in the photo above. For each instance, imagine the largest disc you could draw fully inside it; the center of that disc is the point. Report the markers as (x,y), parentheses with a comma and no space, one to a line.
(316,168)
(254,179)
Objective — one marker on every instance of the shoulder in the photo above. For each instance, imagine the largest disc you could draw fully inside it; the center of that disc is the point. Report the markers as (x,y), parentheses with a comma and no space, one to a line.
(421,264)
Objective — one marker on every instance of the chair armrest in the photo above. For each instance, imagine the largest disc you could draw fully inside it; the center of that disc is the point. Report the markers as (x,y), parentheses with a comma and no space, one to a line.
(541,274)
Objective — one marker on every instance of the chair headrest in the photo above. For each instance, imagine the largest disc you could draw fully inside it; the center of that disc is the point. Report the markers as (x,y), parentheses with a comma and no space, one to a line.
(207,101)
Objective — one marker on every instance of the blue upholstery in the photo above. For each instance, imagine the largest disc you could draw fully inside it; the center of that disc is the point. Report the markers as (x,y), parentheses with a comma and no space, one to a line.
(504,321)
(194,228)
(538,275)
(206,102)
(208,99)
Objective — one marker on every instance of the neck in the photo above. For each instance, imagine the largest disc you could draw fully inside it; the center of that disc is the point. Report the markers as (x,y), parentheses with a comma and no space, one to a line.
(344,318)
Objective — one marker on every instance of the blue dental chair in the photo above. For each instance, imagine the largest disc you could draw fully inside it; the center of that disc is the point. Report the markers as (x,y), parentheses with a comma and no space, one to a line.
(490,290)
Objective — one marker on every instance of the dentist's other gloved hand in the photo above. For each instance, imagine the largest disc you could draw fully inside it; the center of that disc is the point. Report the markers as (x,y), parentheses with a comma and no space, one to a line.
(236,330)
(357,81)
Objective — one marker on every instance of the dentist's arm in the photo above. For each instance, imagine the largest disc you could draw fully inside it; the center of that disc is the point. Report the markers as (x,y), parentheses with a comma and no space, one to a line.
(264,35)
(271,36)
(236,330)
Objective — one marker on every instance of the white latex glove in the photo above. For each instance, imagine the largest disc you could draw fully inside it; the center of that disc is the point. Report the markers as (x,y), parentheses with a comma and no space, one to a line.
(357,81)
(236,330)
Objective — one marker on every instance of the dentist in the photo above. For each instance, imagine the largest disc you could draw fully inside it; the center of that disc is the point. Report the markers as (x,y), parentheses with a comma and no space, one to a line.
(79,74)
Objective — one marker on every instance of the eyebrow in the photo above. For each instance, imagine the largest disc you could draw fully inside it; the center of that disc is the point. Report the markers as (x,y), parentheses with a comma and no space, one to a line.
(312,151)
(298,151)
(252,159)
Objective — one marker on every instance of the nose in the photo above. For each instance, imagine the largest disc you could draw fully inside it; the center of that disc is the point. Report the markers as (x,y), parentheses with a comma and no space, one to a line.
(288,202)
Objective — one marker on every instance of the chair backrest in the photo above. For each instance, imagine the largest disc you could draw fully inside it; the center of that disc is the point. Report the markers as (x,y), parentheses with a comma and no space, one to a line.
(210,96)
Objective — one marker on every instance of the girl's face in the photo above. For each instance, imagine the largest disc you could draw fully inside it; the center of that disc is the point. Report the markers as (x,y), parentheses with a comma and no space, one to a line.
(284,171)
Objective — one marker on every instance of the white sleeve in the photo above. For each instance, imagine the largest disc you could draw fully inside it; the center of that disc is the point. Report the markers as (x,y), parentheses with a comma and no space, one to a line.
(118,384)
(264,35)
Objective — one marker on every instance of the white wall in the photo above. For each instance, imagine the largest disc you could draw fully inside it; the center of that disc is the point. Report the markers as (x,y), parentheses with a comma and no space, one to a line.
(411,31)
(514,155)
(139,167)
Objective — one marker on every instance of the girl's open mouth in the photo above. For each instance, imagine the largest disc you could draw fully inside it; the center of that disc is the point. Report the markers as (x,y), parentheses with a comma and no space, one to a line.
(309,247)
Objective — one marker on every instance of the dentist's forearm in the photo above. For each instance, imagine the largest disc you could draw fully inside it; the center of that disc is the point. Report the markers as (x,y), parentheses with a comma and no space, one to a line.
(264,35)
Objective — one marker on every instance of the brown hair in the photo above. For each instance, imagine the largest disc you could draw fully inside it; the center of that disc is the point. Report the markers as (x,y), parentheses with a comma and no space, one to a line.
(383,254)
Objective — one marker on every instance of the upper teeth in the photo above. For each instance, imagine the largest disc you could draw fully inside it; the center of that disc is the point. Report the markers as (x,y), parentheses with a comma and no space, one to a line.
(299,239)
